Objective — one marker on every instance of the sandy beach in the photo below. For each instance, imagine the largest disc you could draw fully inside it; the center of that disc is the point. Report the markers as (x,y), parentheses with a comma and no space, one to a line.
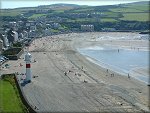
(68,82)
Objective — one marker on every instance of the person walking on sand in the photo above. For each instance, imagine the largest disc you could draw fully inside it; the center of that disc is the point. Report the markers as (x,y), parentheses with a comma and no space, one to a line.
(128,76)
(118,50)
(107,70)
(82,67)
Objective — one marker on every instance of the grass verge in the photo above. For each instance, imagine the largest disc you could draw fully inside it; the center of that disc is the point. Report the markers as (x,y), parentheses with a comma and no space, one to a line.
(10,100)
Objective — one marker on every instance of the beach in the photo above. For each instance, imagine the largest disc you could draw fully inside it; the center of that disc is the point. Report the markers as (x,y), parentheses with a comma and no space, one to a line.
(69,82)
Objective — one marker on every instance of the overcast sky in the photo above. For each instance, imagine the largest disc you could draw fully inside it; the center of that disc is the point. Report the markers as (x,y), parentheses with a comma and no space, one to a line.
(31,3)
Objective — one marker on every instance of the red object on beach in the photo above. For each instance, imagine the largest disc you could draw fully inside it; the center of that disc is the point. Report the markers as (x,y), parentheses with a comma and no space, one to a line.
(28,66)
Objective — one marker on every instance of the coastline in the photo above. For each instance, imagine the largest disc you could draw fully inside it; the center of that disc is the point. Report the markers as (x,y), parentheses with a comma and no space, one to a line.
(117,44)
(134,71)
(86,87)
(118,80)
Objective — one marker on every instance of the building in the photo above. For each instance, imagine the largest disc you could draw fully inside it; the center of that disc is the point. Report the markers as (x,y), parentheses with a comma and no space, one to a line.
(5,41)
(10,36)
(87,28)
(47,32)
(1,46)
(32,34)
(31,25)
(25,34)
(13,25)
(15,35)
(56,25)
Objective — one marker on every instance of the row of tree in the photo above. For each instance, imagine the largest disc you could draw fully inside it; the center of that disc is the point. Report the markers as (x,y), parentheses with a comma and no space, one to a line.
(121,25)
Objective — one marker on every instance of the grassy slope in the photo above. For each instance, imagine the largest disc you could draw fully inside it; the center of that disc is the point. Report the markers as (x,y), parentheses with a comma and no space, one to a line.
(9,98)
(108,20)
(9,13)
(137,12)
(34,16)
(136,16)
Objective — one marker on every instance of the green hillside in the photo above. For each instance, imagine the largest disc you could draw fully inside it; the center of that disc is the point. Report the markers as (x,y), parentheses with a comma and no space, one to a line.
(123,11)
(133,16)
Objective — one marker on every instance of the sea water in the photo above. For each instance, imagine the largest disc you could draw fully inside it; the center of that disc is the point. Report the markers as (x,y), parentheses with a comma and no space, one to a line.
(120,60)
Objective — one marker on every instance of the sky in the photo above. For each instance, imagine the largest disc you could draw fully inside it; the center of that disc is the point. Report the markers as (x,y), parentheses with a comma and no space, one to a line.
(32,3)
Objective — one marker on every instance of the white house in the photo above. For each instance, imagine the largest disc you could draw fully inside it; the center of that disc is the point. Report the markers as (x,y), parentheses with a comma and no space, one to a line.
(15,36)
(87,27)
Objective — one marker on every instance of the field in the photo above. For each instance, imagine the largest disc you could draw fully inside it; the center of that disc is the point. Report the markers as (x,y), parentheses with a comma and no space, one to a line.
(136,16)
(34,16)
(130,9)
(107,20)
(122,10)
(9,13)
(9,98)
(144,7)
(111,15)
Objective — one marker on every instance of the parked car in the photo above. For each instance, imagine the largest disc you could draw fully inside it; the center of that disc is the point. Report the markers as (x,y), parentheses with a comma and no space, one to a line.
(6,58)
(3,58)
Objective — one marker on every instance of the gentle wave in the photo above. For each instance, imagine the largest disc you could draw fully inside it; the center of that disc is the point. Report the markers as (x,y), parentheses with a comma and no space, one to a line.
(122,61)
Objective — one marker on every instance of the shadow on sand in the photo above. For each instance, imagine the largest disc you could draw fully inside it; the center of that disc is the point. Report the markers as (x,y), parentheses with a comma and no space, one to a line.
(23,83)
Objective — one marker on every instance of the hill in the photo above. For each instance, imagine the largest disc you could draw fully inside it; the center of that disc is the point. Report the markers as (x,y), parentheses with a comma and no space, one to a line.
(135,14)
(108,13)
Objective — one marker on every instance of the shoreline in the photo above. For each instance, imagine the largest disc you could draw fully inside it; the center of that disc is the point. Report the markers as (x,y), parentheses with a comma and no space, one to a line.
(85,86)
(135,72)
(132,43)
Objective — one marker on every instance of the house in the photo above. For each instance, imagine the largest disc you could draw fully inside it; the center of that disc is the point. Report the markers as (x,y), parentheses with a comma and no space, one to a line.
(87,27)
(31,25)
(13,25)
(25,34)
(56,25)
(1,46)
(32,34)
(47,32)
(15,35)
(10,36)
(3,42)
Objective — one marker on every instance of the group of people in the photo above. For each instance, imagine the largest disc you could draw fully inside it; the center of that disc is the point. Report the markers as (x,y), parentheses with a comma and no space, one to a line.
(112,74)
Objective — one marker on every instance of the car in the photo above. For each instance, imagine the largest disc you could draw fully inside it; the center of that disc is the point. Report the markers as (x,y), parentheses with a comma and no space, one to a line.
(2,58)
(5,58)
(1,61)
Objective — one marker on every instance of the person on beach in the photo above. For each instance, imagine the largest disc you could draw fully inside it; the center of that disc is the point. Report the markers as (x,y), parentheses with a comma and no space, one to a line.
(82,67)
(112,75)
(34,60)
(118,50)
(65,73)
(128,75)
(107,70)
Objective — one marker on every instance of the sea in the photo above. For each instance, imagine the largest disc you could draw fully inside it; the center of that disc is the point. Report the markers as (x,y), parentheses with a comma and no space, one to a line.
(122,60)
